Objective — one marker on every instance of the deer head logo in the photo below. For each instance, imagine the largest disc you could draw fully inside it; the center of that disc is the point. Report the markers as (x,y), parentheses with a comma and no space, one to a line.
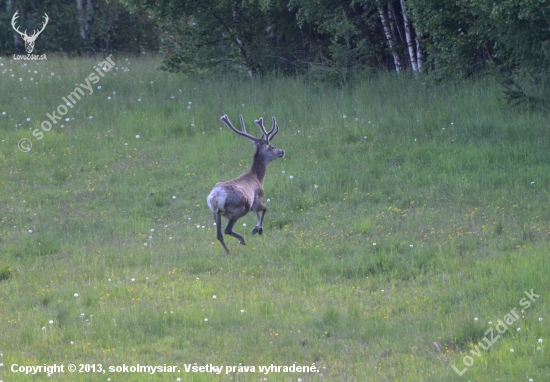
(29,40)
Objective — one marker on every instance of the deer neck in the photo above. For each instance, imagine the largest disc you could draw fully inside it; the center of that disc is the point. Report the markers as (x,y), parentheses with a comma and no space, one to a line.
(259,166)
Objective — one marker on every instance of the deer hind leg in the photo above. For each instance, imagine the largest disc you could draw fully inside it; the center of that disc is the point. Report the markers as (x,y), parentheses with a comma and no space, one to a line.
(218,219)
(229,230)
(259,227)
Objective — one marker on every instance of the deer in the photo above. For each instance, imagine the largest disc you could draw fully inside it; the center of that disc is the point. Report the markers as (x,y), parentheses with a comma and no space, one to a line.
(234,198)
(29,40)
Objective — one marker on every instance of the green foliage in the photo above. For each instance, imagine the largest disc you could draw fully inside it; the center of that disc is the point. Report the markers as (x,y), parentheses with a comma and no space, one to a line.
(254,36)
(455,35)
(521,34)
(466,37)
(332,41)
(515,95)
(346,37)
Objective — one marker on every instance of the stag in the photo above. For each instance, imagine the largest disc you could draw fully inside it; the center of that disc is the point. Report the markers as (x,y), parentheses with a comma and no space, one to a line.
(29,40)
(234,198)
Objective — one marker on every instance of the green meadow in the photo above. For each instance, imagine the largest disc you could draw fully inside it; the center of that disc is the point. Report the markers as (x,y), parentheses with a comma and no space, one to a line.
(404,226)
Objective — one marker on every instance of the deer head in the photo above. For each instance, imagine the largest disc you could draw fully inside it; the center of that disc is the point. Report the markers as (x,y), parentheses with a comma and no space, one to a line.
(29,40)
(262,144)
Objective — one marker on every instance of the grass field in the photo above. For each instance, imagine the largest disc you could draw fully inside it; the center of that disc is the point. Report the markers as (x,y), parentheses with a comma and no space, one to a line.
(403,223)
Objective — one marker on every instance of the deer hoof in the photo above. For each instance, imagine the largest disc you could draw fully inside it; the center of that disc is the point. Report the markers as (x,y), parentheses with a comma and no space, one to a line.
(257,230)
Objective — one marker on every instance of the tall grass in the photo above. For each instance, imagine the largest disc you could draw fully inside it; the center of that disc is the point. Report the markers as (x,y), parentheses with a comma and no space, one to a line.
(414,217)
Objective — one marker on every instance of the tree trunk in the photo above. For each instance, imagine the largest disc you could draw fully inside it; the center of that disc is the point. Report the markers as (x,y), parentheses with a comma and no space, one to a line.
(244,56)
(89,17)
(242,50)
(391,42)
(9,8)
(81,19)
(84,18)
(410,43)
(394,25)
(419,55)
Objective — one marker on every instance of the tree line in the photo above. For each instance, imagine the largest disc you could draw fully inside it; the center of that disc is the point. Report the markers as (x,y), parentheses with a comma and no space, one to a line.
(340,37)
(327,38)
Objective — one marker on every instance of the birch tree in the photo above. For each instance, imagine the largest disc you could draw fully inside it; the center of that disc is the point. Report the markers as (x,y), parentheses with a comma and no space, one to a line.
(413,56)
(390,37)
(85,17)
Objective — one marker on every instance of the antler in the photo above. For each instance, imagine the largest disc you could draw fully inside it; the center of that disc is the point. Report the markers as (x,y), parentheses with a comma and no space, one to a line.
(268,136)
(225,119)
(24,34)
(260,123)
(15,16)
(46,19)
(275,127)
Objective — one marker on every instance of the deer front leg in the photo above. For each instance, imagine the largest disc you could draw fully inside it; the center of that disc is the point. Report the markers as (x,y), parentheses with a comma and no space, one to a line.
(259,227)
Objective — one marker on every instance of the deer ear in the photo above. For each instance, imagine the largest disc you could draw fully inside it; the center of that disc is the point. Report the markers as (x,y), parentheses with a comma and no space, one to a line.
(258,143)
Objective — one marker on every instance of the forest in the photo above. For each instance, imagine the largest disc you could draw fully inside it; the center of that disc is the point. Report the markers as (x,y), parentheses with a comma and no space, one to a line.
(328,39)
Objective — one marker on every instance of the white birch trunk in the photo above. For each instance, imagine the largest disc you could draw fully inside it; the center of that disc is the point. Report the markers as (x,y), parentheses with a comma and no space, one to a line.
(81,19)
(410,43)
(84,18)
(419,55)
(387,32)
